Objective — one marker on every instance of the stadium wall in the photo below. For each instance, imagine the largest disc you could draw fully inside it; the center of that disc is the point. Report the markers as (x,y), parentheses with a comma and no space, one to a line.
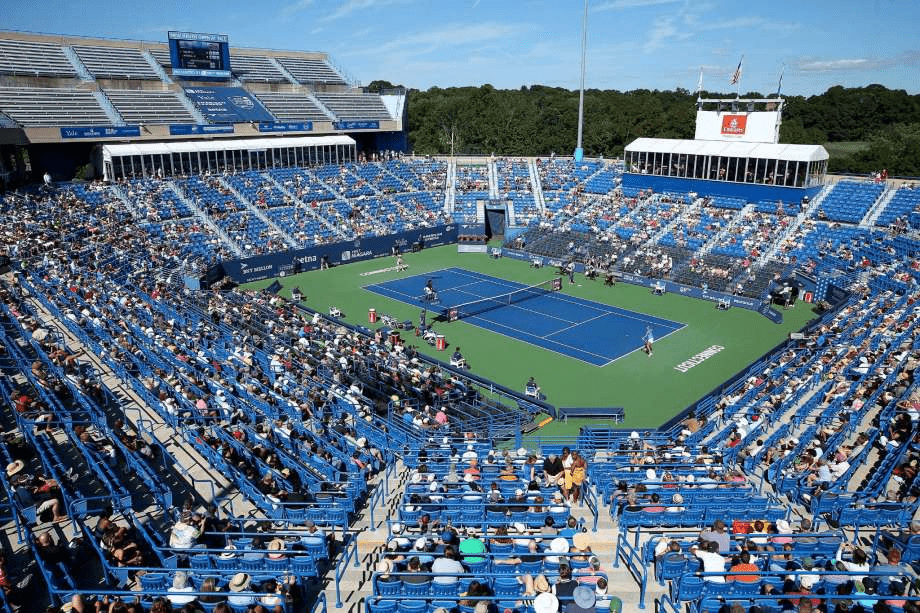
(296,261)
(752,192)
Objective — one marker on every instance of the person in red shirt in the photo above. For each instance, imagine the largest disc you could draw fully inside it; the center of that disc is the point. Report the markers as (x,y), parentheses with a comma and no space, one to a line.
(744,566)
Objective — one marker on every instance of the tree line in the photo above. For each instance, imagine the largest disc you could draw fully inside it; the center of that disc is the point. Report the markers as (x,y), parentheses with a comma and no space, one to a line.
(880,127)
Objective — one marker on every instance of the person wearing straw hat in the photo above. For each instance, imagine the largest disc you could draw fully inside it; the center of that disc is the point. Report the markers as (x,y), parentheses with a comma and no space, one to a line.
(238,587)
(276,548)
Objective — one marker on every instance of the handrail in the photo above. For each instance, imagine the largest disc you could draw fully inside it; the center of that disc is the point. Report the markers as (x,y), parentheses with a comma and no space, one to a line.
(350,552)
(633,562)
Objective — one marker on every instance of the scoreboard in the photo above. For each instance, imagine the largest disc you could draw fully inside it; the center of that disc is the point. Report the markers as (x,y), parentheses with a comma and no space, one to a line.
(199,55)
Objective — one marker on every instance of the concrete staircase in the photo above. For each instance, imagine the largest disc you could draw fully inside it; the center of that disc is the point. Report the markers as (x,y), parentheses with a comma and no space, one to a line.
(493,180)
(155,65)
(109,109)
(229,242)
(536,186)
(78,65)
(872,215)
(720,236)
(291,242)
(450,190)
(302,205)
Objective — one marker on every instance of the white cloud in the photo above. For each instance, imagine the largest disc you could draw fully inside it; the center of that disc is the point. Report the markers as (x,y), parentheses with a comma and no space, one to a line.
(906,58)
(289,10)
(448,36)
(619,5)
(350,6)
(663,31)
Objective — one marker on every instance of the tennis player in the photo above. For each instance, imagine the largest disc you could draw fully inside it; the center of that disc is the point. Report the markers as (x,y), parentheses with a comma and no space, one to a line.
(649,338)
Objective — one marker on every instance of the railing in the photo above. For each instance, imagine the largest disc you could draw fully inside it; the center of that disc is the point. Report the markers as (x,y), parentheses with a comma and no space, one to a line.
(633,562)
(380,494)
(349,553)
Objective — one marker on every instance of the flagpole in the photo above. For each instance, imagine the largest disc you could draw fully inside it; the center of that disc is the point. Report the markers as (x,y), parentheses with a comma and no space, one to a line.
(699,86)
(579,151)
(779,86)
(740,76)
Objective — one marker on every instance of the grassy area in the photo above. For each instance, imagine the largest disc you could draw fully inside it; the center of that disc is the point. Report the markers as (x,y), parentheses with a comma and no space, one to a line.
(650,388)
(845,148)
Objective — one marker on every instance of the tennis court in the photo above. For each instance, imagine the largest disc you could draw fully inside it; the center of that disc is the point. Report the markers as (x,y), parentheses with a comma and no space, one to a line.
(577,328)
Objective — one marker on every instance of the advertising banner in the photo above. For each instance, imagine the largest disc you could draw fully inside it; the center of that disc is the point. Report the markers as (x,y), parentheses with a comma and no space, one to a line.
(734,125)
(302,260)
(227,104)
(100,131)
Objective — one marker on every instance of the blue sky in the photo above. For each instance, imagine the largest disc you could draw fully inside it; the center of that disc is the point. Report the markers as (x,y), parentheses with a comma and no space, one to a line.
(632,44)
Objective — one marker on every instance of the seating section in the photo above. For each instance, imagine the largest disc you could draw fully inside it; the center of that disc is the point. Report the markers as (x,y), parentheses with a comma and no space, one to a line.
(355,106)
(849,201)
(161,55)
(149,107)
(28,58)
(41,106)
(255,68)
(115,62)
(291,107)
(904,205)
(308,71)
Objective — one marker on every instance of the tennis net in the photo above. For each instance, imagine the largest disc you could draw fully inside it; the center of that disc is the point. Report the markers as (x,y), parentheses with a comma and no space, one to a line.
(483,305)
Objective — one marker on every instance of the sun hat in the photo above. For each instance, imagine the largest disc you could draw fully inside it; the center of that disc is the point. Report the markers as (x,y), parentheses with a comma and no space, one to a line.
(783,527)
(275,545)
(240,582)
(14,467)
(581,540)
(228,553)
(585,598)
(383,567)
(546,603)
(558,545)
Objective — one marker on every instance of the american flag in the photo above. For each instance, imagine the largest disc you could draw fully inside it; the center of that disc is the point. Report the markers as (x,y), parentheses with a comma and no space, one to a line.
(736,76)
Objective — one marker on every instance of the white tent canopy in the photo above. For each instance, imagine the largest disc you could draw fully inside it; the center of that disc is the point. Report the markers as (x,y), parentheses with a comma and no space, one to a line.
(245,144)
(188,157)
(769,151)
(799,166)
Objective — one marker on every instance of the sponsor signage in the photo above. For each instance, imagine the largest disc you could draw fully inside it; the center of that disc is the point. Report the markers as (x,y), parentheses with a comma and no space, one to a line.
(734,125)
(182,129)
(272,126)
(301,260)
(227,104)
(356,125)
(100,132)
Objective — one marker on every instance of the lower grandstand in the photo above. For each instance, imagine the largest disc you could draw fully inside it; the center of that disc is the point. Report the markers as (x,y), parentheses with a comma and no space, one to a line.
(225,387)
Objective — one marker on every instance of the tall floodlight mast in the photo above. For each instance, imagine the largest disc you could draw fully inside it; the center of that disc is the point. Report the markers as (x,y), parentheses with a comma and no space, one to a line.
(579,151)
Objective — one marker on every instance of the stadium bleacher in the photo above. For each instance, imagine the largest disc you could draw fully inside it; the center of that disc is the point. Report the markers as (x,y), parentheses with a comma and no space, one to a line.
(124,63)
(149,107)
(348,106)
(45,106)
(33,58)
(308,71)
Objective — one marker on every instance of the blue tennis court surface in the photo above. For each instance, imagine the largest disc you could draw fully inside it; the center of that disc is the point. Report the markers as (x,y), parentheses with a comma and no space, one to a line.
(582,329)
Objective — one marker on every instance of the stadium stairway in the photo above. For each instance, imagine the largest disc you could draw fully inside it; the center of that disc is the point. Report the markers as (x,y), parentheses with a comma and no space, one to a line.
(284,71)
(108,107)
(355,581)
(190,106)
(260,214)
(302,204)
(155,65)
(872,215)
(493,180)
(694,206)
(450,189)
(78,66)
(237,250)
(536,186)
(723,233)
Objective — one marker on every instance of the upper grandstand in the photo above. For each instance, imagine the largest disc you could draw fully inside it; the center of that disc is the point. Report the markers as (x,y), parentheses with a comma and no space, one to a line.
(134,89)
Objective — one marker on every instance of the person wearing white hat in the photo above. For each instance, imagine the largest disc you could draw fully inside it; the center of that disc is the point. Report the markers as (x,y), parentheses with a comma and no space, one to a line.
(180,594)
(239,585)
(546,603)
